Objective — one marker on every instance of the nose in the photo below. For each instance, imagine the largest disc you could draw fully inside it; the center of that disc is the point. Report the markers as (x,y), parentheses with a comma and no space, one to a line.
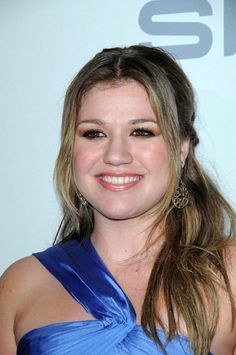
(117,152)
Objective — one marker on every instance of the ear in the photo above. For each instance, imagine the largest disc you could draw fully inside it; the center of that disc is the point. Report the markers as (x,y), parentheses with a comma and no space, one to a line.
(184,151)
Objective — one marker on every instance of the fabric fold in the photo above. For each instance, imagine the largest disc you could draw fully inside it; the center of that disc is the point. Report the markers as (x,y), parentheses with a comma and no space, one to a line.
(78,267)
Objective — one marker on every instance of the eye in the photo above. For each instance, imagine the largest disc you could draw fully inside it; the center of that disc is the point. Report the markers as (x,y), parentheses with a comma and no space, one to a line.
(93,133)
(143,132)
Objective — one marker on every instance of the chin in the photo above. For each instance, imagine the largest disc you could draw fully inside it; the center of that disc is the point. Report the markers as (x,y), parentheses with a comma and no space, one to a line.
(116,216)
(119,215)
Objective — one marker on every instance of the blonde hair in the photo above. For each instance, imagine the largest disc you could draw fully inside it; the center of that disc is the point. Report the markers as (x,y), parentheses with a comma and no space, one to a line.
(191,261)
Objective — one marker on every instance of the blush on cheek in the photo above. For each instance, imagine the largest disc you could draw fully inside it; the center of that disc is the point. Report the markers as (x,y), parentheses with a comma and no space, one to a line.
(80,153)
(83,161)
(156,154)
(79,157)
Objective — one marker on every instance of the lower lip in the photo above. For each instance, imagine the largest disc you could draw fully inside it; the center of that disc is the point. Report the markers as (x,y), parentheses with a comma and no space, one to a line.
(117,188)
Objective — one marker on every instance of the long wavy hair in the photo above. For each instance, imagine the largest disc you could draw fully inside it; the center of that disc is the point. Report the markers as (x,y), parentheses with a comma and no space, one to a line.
(191,264)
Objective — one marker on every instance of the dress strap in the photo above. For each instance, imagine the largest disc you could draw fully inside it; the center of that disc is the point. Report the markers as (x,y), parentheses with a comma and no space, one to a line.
(78,267)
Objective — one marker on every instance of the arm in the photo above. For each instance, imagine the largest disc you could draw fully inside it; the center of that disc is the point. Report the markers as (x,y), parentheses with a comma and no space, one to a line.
(232,279)
(224,340)
(15,285)
(7,314)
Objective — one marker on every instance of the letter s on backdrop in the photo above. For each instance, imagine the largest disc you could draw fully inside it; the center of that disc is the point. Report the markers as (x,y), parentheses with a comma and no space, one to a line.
(202,31)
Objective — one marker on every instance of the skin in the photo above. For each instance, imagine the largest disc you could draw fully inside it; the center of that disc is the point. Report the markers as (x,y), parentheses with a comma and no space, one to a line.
(117,147)
(122,217)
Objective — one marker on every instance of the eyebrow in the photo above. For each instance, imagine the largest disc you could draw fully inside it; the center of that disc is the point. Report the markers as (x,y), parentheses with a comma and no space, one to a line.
(131,122)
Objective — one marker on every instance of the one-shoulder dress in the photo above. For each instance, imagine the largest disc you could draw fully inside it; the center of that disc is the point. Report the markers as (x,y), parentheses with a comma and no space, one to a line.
(78,267)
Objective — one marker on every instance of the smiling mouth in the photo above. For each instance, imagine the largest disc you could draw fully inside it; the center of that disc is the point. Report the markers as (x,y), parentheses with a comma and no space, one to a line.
(118,183)
(120,180)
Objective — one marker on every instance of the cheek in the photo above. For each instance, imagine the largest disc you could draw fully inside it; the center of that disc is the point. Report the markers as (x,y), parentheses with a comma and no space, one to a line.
(156,157)
(83,159)
(79,162)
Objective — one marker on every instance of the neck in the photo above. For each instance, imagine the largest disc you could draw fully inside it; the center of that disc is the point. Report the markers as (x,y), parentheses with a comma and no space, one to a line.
(119,241)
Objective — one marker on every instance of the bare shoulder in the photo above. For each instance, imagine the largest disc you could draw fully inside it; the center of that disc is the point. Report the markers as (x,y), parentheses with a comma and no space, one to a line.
(21,273)
(224,341)
(230,262)
(20,281)
(17,284)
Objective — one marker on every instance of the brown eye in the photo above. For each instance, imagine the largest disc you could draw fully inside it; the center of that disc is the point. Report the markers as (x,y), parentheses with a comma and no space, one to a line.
(93,133)
(142,132)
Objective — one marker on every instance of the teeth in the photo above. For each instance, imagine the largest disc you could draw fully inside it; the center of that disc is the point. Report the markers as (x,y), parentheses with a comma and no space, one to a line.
(119,180)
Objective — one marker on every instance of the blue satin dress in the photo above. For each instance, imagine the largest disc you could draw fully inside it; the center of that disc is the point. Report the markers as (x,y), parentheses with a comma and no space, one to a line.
(78,267)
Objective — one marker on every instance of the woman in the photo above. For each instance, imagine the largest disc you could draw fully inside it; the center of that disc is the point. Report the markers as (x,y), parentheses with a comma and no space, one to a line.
(144,259)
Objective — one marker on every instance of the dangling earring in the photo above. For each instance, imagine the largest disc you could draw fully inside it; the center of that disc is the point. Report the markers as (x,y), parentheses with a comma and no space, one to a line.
(181,196)
(82,199)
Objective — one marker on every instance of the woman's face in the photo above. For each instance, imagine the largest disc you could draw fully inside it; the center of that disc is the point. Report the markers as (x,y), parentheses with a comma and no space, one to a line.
(120,159)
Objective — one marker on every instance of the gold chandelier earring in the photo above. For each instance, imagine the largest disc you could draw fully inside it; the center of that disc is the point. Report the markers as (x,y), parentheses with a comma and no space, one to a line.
(181,196)
(83,200)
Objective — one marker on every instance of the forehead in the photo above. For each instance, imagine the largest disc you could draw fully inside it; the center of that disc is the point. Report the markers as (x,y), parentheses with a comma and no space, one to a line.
(113,86)
(125,97)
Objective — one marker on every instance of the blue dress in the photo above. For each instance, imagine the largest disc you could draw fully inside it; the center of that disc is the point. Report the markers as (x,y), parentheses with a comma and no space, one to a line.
(78,267)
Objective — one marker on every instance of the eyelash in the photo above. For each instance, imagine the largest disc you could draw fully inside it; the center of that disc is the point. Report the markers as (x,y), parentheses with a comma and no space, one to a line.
(93,133)
(142,132)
